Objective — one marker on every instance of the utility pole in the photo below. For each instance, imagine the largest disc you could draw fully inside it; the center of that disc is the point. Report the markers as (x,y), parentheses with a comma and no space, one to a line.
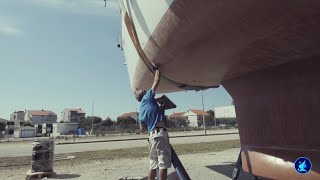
(203,119)
(137,117)
(8,133)
(92,118)
(214,117)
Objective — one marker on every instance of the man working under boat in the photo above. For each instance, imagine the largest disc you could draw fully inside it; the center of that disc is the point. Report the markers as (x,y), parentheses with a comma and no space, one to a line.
(152,119)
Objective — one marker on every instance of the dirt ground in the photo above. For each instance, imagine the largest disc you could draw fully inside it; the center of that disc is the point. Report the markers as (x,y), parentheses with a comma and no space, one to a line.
(70,138)
(201,166)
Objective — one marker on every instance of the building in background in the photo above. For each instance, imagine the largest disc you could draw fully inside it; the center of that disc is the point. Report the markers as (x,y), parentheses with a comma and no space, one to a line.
(73,115)
(40,117)
(25,132)
(225,112)
(134,115)
(3,120)
(3,126)
(194,117)
(176,115)
(18,118)
(65,129)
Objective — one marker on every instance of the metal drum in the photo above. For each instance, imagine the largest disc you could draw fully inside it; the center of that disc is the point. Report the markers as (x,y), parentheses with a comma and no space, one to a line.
(42,156)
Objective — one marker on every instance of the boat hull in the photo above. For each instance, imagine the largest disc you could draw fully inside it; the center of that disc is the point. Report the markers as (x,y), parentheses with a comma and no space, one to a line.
(278,118)
(265,53)
(204,44)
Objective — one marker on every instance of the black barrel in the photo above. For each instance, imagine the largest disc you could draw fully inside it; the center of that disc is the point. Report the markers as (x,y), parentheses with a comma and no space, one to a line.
(42,156)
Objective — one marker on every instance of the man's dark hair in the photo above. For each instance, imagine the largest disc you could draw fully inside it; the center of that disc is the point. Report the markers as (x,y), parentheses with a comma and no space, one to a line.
(139,95)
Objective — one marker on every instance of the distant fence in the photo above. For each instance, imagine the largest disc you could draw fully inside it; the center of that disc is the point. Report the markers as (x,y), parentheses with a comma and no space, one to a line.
(136,129)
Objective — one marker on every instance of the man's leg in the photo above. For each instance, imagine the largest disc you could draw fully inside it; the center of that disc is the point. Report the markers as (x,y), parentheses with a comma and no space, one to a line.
(164,155)
(163,174)
(153,158)
(152,174)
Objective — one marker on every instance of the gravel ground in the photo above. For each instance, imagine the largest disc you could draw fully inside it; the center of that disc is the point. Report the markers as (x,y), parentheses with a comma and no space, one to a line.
(202,166)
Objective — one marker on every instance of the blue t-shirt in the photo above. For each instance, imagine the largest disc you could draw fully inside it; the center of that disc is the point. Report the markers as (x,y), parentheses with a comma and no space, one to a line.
(150,112)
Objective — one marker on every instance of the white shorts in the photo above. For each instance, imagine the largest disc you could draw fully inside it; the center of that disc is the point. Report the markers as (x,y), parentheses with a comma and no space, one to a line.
(160,150)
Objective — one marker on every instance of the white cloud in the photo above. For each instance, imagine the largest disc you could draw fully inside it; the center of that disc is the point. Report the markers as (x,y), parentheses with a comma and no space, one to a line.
(9,31)
(9,26)
(93,7)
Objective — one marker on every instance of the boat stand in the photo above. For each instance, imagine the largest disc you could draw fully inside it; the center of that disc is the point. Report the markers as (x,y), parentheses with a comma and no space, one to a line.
(182,173)
(165,104)
(237,169)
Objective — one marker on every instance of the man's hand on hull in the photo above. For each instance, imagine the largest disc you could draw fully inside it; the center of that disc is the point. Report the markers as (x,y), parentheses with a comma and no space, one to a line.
(154,66)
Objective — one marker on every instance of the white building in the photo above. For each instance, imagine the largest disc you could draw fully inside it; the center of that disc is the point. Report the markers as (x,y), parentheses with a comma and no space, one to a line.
(194,117)
(40,117)
(68,128)
(25,132)
(225,112)
(65,129)
(73,115)
(18,118)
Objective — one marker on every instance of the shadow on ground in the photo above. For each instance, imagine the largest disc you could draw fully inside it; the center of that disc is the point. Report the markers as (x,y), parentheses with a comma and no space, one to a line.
(66,176)
(171,176)
(227,169)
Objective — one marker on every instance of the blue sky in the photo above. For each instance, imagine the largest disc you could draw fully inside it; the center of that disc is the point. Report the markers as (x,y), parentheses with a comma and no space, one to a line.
(57,54)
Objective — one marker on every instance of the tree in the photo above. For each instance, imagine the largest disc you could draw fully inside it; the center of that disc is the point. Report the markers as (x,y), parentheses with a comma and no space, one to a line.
(96,120)
(86,122)
(211,113)
(2,126)
(181,122)
(171,123)
(26,123)
(108,122)
(210,119)
(125,122)
(227,121)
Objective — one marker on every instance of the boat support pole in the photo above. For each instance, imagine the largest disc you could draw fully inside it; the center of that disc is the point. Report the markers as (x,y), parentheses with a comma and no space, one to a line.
(182,173)
(237,169)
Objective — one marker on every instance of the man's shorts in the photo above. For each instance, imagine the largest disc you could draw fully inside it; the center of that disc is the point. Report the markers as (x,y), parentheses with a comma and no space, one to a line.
(160,150)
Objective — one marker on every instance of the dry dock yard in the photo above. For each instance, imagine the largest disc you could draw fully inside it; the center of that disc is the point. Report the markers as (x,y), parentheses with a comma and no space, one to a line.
(202,160)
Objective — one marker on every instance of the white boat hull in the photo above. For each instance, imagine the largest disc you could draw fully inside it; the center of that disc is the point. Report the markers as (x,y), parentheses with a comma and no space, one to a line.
(204,44)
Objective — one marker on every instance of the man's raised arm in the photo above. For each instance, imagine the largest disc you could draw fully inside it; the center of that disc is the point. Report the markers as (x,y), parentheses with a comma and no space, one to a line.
(156,80)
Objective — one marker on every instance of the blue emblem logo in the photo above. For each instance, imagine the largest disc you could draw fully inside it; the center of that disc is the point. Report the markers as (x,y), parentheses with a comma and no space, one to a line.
(303,165)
